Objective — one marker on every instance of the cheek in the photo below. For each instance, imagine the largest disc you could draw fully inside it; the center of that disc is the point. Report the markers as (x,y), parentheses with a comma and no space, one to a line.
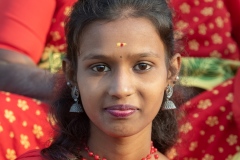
(86,92)
(84,87)
(90,92)
(155,97)
(154,104)
(155,82)
(90,101)
(154,92)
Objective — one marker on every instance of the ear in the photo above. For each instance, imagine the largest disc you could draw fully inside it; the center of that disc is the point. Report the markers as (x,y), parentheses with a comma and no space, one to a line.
(175,64)
(69,71)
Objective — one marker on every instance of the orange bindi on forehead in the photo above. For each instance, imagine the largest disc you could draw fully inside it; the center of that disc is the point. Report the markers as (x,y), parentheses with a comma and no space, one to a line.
(120,44)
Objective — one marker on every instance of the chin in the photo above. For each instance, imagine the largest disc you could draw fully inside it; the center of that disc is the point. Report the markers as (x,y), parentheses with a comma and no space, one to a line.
(121,132)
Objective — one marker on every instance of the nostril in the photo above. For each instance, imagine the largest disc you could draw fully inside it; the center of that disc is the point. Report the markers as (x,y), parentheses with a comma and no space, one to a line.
(120,83)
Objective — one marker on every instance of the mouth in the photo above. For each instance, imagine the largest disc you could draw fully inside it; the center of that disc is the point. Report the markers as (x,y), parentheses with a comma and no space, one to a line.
(121,111)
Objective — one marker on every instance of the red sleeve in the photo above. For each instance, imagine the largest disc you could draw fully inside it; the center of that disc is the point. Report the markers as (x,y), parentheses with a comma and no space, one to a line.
(31,155)
(236,101)
(24,25)
(233,7)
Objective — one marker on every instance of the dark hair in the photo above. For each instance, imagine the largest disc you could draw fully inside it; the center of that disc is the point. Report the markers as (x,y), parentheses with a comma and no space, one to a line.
(73,128)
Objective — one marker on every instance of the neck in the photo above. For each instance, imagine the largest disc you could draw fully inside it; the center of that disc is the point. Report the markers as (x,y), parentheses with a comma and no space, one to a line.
(133,147)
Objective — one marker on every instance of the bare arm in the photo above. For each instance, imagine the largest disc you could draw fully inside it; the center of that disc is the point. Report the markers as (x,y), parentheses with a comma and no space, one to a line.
(23,31)
(19,74)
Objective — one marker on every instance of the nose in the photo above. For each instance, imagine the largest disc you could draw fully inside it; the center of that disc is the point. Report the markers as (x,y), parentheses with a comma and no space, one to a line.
(121,84)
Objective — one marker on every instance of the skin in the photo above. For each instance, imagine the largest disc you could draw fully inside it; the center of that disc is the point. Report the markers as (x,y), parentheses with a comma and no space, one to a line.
(135,74)
(20,75)
(18,72)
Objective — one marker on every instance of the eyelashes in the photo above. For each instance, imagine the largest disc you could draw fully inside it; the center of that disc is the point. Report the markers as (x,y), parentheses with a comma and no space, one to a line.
(103,68)
(142,67)
(100,68)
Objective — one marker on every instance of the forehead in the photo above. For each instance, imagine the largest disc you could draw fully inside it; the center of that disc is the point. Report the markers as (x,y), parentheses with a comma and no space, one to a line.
(137,33)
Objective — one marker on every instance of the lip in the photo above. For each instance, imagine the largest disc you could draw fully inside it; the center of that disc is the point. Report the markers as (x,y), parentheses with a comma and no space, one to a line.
(121,111)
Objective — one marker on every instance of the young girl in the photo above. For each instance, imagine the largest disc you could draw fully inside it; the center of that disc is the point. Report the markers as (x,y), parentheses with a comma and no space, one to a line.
(120,70)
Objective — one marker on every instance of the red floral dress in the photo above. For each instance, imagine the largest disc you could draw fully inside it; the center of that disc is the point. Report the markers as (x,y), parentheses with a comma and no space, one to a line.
(209,130)
(34,28)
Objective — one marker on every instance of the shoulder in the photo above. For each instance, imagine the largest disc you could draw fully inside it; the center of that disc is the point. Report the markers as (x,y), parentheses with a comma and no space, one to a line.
(31,155)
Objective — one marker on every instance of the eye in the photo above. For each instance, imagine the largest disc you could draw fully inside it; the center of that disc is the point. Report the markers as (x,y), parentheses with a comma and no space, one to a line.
(142,67)
(100,68)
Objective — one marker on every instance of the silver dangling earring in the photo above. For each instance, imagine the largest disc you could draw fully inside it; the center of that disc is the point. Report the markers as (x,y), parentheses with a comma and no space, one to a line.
(169,104)
(76,107)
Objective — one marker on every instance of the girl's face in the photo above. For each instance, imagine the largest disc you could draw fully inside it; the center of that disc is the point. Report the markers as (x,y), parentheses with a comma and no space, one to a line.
(122,75)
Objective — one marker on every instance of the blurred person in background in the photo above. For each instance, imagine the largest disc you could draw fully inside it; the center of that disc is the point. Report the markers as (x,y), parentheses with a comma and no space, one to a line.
(31,45)
(209,31)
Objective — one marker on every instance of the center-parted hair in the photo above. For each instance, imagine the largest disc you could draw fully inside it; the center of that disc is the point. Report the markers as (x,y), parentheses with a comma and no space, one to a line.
(73,129)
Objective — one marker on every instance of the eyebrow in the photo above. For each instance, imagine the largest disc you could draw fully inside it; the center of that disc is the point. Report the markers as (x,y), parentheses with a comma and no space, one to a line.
(146,54)
(92,56)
